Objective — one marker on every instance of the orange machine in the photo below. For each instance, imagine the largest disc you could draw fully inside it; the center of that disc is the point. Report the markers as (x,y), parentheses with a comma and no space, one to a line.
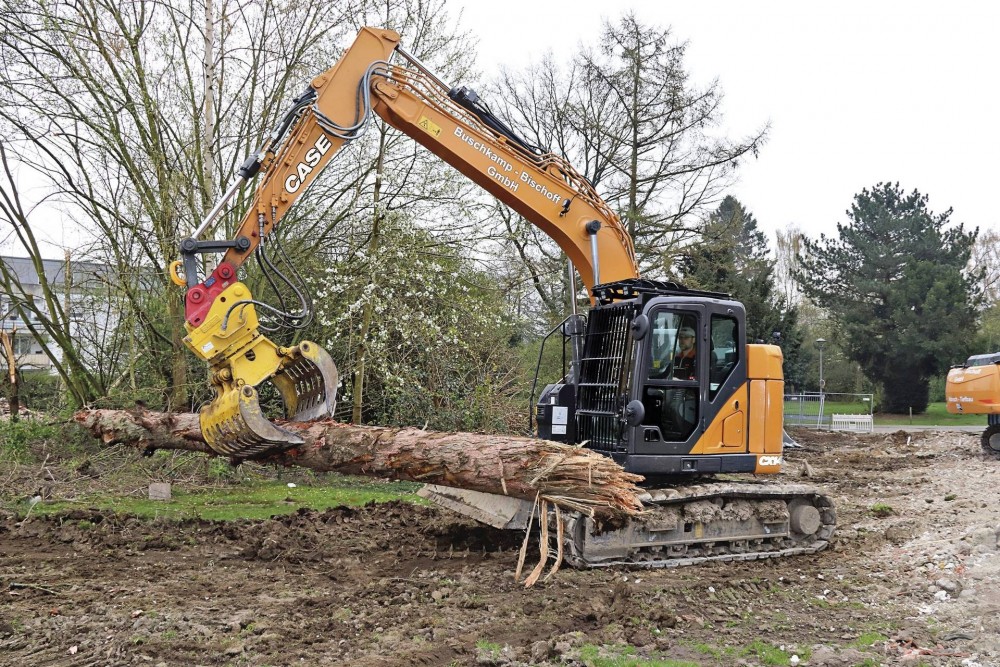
(625,394)
(974,389)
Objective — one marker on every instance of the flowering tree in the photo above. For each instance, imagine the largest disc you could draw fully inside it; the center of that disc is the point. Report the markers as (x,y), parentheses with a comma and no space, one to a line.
(432,327)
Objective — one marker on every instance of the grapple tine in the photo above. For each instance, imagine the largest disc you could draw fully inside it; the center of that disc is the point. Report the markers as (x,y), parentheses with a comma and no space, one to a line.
(308,383)
(233,425)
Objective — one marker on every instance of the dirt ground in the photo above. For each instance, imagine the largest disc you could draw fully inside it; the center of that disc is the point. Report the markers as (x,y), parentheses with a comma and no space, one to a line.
(911,578)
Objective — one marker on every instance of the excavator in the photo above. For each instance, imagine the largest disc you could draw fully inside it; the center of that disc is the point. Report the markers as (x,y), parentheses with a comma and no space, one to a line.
(661,377)
(973,388)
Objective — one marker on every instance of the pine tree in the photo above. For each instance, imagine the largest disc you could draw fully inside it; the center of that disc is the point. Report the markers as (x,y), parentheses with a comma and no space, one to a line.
(897,286)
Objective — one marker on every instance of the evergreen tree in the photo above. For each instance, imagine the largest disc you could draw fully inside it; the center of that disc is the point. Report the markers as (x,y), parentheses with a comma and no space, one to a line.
(734,257)
(897,286)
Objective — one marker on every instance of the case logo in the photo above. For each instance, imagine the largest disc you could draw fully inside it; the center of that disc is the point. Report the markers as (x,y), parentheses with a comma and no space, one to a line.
(309,162)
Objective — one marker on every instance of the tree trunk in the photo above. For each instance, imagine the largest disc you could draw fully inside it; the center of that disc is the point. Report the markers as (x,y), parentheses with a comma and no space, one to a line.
(366,318)
(574,478)
(7,346)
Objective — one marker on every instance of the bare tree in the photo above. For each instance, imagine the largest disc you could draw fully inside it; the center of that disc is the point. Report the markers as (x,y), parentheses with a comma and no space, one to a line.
(44,315)
(397,180)
(626,114)
(986,258)
(788,248)
(109,105)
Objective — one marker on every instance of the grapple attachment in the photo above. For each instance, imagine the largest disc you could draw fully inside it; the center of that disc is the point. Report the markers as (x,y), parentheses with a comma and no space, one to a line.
(227,335)
(308,384)
(235,425)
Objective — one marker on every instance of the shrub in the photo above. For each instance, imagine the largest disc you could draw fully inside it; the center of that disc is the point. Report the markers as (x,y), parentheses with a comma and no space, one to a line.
(17,437)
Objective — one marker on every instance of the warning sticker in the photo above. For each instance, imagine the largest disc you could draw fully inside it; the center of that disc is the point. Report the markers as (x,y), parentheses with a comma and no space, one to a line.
(429,127)
(560,415)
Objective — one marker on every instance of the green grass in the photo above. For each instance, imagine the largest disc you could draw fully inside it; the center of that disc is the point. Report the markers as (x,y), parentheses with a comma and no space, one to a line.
(247,500)
(881,510)
(936,414)
(772,655)
(869,638)
(811,408)
(16,438)
(706,649)
(489,650)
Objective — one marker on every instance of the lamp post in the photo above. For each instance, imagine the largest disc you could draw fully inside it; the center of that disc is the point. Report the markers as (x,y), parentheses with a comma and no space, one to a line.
(820,344)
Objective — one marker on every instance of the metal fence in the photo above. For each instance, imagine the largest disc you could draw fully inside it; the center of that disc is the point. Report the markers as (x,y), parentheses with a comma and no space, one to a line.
(815,409)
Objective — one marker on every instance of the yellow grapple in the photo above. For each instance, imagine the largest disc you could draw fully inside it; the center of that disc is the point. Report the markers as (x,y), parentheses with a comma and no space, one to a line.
(241,358)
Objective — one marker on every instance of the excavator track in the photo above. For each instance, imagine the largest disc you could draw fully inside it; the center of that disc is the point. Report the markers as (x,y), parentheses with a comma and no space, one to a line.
(682,525)
(717,521)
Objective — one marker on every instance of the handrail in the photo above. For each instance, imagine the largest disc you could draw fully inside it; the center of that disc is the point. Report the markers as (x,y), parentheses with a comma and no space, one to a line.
(538,366)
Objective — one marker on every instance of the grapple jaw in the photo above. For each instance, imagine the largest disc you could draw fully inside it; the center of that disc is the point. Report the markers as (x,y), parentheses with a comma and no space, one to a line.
(308,383)
(235,425)
(241,359)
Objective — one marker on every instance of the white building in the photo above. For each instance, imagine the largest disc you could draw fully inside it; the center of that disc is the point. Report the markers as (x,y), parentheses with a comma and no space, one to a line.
(80,295)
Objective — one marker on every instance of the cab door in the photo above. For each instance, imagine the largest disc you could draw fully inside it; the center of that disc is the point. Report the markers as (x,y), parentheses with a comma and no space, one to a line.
(670,379)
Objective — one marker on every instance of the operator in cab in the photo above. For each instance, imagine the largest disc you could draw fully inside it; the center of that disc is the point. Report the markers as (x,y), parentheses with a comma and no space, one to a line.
(684,360)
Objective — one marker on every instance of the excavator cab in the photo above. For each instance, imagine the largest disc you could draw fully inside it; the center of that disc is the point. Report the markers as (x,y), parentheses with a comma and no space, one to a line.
(676,411)
(973,388)
(666,385)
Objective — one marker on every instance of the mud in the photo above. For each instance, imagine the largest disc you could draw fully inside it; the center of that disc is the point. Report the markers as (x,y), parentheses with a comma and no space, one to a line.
(909,579)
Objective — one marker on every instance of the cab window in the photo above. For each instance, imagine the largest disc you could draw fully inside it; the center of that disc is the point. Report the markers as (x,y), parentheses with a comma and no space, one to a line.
(725,353)
(673,350)
(670,395)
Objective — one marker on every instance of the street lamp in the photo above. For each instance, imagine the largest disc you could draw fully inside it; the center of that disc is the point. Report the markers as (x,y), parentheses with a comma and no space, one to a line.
(820,344)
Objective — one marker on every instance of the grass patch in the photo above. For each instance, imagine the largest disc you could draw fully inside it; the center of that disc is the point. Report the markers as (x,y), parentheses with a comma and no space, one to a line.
(621,655)
(772,655)
(936,415)
(706,649)
(868,639)
(488,651)
(810,408)
(249,500)
(881,510)
(805,413)
(16,438)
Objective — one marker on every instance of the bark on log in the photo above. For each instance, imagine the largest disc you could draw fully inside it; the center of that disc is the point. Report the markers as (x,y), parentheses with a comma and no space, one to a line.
(571,477)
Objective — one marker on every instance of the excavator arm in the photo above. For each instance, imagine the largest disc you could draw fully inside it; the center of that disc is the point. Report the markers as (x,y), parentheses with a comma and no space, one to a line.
(221,314)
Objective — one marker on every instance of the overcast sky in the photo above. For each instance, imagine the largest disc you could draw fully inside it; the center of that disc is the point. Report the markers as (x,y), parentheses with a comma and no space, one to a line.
(856,92)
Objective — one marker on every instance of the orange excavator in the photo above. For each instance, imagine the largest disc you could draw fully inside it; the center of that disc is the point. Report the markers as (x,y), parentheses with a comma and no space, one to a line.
(661,380)
(973,388)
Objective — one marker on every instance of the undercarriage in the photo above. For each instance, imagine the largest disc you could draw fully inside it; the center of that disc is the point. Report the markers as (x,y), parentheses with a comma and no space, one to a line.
(681,525)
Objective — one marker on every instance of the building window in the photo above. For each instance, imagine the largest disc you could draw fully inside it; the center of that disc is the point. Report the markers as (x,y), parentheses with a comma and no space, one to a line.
(23,345)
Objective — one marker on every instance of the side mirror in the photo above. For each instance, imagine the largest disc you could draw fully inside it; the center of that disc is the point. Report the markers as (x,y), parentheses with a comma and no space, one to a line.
(635,412)
(640,327)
